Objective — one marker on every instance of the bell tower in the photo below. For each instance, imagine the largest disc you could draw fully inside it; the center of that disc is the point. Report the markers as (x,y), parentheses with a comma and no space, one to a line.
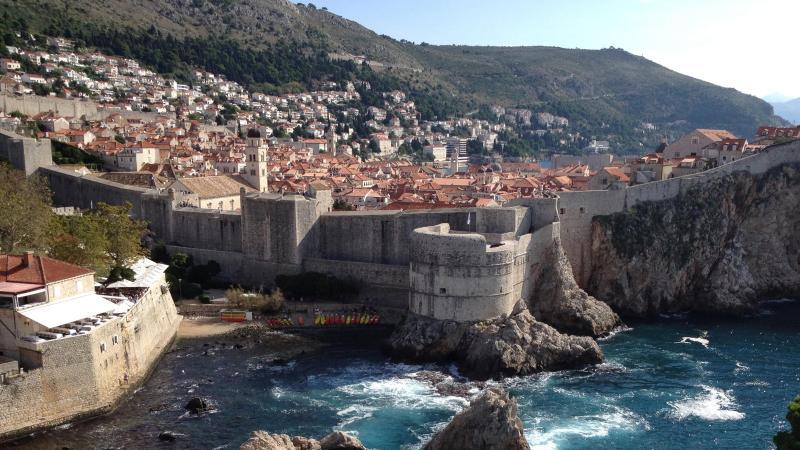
(256,172)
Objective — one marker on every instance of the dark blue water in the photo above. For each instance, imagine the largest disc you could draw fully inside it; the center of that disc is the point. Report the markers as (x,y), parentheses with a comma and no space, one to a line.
(679,383)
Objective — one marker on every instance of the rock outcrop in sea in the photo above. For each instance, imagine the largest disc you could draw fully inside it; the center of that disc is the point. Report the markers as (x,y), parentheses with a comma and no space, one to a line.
(557,300)
(489,423)
(501,347)
(261,440)
(719,248)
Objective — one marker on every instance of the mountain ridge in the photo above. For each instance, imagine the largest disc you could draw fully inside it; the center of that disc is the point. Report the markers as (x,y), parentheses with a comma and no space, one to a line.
(789,110)
(607,90)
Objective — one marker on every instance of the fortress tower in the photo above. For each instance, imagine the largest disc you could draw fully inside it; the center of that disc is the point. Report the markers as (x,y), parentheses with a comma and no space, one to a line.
(256,172)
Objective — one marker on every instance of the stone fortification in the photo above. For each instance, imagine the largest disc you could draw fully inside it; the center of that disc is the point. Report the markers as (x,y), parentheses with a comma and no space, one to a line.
(576,210)
(88,375)
(288,234)
(26,154)
(32,105)
(464,277)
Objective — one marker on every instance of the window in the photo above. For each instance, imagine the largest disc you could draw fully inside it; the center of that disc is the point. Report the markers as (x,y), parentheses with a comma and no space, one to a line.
(562,211)
(102,347)
(114,340)
(442,291)
(583,210)
(695,140)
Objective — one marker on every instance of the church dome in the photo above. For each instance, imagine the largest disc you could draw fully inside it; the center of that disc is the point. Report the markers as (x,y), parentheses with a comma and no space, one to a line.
(253,133)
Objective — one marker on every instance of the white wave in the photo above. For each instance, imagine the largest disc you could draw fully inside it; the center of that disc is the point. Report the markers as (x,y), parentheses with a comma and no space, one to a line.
(712,404)
(406,393)
(702,340)
(614,332)
(352,414)
(277,392)
(586,427)
(741,367)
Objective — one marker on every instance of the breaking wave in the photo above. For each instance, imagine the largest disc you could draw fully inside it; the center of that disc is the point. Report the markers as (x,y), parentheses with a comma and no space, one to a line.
(712,404)
(617,419)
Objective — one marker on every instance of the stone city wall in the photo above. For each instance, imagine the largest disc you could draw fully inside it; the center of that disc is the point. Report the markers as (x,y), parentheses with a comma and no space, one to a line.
(379,275)
(71,189)
(24,153)
(577,209)
(208,229)
(87,375)
(31,105)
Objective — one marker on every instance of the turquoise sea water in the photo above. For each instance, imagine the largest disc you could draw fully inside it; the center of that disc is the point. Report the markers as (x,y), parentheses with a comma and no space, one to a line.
(678,383)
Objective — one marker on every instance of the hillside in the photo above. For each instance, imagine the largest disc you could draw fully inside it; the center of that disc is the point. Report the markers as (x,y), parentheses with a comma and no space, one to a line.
(789,110)
(609,89)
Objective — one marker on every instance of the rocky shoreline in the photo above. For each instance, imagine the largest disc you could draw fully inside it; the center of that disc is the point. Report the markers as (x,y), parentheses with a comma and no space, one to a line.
(505,346)
(490,422)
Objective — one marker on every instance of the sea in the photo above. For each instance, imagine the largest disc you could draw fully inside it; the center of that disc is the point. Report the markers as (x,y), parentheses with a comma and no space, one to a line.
(674,383)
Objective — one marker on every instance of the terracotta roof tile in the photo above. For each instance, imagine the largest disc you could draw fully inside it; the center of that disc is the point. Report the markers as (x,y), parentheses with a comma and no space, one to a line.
(29,268)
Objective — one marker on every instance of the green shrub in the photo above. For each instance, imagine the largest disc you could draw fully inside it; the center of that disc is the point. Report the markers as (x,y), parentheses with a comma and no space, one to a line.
(790,440)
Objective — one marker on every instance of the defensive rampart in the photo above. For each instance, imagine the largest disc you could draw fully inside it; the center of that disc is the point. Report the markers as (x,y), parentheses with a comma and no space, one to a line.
(32,105)
(24,153)
(287,234)
(577,209)
(464,277)
(87,375)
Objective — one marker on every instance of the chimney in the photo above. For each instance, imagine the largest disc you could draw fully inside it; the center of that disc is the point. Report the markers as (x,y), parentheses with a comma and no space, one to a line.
(27,259)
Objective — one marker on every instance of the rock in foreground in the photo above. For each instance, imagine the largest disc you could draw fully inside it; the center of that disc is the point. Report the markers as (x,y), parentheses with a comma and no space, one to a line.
(261,440)
(490,423)
(512,346)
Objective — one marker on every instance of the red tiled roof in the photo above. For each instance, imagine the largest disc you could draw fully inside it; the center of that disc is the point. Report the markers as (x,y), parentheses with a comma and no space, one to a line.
(29,268)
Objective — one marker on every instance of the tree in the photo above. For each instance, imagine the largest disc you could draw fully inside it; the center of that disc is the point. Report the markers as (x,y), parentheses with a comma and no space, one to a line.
(27,216)
(81,240)
(374,146)
(124,234)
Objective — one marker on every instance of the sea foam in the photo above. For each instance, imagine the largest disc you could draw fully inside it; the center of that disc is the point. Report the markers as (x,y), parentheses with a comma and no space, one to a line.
(712,404)
(617,419)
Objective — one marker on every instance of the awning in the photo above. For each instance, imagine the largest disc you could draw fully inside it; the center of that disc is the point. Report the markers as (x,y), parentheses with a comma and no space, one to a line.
(146,274)
(61,312)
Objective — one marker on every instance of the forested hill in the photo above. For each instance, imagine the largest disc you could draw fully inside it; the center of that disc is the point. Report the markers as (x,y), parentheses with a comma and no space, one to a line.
(275,45)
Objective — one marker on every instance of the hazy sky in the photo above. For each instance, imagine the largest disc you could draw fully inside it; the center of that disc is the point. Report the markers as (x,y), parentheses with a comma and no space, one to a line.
(748,45)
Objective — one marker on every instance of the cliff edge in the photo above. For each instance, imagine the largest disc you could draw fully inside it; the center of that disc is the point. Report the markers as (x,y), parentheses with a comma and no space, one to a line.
(719,248)
(558,301)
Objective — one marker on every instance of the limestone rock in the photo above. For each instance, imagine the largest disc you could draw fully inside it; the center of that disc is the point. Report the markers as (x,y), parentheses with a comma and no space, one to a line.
(520,345)
(718,248)
(261,440)
(489,423)
(557,299)
(341,441)
(505,346)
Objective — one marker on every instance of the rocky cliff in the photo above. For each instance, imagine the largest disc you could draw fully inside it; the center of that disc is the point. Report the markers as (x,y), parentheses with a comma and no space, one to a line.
(719,248)
(490,423)
(504,346)
(557,300)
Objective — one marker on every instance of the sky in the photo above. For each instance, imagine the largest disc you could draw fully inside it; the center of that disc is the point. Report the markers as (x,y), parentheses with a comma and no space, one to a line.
(747,45)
